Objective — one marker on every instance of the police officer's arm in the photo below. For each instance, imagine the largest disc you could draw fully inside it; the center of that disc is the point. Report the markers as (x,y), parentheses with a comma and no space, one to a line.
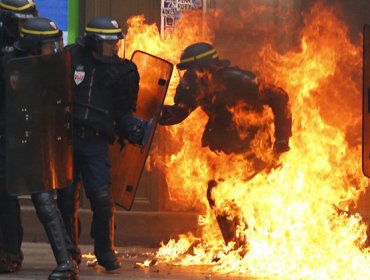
(127,92)
(128,126)
(185,102)
(278,100)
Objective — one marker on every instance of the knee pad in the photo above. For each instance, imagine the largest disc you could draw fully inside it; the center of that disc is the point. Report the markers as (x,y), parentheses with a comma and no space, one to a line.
(101,203)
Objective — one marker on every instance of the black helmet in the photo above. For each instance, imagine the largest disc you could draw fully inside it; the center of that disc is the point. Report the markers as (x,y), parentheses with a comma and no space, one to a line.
(101,29)
(198,54)
(12,15)
(19,8)
(37,31)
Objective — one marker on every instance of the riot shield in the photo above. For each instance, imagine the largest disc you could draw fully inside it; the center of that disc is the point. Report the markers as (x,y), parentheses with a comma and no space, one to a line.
(38,134)
(128,165)
(366,103)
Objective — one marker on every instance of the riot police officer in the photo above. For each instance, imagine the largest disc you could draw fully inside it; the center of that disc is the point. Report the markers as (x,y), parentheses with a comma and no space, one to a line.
(12,15)
(105,89)
(217,88)
(40,36)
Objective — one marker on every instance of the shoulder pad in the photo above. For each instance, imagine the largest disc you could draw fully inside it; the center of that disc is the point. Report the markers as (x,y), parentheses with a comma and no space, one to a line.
(132,65)
(128,64)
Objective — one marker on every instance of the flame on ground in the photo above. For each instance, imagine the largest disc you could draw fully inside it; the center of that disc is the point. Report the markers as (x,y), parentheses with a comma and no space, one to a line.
(294,218)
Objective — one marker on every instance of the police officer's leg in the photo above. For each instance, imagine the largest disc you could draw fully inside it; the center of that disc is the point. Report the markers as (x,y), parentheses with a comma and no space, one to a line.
(54,228)
(68,201)
(10,224)
(95,173)
(102,230)
(12,233)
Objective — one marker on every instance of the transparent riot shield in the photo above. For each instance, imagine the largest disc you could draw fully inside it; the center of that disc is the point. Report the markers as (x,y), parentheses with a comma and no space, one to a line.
(38,134)
(366,103)
(128,165)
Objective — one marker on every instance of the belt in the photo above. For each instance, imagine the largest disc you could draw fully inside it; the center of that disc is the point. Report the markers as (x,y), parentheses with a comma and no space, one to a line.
(86,132)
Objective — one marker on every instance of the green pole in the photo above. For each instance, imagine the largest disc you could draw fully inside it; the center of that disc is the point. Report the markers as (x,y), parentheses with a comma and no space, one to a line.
(73,20)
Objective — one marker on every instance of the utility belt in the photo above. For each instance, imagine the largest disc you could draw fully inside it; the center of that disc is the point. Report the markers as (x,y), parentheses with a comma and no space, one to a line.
(86,132)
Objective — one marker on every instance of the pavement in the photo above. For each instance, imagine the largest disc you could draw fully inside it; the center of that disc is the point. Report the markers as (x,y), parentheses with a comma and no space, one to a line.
(39,262)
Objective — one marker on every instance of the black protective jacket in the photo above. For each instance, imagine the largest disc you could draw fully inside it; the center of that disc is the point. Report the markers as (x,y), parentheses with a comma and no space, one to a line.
(103,92)
(219,93)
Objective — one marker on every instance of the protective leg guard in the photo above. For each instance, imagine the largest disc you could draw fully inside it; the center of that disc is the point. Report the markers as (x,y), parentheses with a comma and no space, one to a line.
(49,216)
(102,229)
(68,201)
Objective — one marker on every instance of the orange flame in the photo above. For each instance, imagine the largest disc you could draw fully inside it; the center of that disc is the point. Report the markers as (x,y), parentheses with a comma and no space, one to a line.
(290,216)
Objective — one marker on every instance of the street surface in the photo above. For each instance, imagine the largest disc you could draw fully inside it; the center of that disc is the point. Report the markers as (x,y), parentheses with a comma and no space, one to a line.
(39,262)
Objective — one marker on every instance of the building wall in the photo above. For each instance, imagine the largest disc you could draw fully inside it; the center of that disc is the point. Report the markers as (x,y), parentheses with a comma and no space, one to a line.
(121,10)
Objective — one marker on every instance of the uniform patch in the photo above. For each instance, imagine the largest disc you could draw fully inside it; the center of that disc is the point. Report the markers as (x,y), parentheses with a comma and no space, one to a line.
(14,80)
(79,75)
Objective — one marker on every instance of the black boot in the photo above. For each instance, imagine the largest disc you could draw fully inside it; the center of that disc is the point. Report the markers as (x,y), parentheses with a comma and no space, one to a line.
(102,230)
(65,271)
(68,204)
(49,216)
(10,262)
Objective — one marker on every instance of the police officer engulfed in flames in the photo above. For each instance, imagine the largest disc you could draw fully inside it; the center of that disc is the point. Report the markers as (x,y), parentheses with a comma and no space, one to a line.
(217,88)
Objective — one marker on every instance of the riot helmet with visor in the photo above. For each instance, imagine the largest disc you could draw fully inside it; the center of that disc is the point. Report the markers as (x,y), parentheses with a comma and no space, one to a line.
(40,36)
(13,13)
(102,35)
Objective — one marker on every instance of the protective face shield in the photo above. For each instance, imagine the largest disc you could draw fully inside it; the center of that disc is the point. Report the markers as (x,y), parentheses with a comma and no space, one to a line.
(109,48)
(51,46)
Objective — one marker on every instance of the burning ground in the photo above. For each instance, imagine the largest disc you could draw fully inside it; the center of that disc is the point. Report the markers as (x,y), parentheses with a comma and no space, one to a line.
(295,217)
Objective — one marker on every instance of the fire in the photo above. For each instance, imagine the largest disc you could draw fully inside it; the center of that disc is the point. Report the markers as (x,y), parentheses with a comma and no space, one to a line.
(293,218)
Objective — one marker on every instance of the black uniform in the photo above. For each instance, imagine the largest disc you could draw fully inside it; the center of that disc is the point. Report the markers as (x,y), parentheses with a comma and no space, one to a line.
(10,220)
(12,12)
(217,94)
(44,203)
(104,96)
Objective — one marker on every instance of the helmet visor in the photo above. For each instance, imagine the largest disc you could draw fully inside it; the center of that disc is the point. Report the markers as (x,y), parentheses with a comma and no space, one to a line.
(24,15)
(51,46)
(121,48)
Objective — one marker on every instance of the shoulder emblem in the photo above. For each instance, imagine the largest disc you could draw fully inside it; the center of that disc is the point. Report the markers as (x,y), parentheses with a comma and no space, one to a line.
(79,74)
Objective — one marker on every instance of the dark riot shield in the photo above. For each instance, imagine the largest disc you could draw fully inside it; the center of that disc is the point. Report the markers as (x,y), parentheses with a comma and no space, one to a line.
(366,103)
(38,134)
(128,165)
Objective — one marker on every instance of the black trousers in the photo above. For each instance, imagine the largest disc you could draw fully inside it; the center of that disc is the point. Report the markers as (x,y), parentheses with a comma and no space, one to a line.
(11,230)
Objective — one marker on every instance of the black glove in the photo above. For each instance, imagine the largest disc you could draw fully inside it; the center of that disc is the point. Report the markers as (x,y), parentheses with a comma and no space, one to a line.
(281,146)
(136,133)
